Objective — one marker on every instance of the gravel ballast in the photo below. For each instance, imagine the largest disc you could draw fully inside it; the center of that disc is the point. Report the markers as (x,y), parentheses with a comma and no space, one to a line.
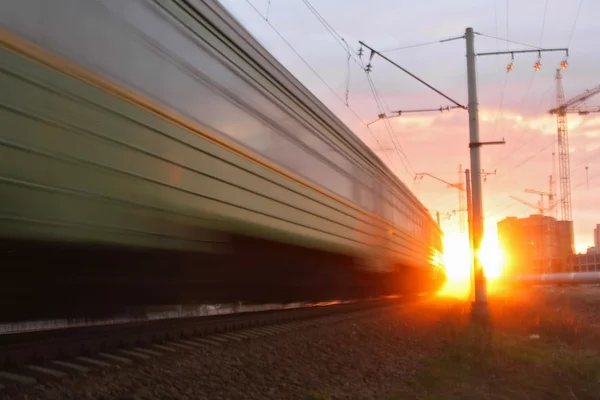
(541,344)
(359,357)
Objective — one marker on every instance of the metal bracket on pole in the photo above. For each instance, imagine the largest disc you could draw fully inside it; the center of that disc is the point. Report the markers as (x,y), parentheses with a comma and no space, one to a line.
(481,144)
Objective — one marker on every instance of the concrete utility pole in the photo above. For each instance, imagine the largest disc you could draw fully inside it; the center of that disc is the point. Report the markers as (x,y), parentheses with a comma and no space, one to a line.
(470,225)
(476,228)
(480,304)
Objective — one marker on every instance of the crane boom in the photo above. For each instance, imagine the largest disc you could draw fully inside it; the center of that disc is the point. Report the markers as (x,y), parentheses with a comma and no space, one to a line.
(582,110)
(538,207)
(575,100)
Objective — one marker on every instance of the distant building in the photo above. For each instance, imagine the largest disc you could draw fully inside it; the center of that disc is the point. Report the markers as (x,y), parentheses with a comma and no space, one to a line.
(590,260)
(536,244)
(586,262)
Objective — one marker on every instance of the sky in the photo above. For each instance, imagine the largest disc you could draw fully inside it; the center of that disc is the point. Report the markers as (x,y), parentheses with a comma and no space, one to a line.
(512,106)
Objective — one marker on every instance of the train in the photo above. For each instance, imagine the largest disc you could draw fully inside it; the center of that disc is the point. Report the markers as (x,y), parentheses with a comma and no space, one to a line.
(153,152)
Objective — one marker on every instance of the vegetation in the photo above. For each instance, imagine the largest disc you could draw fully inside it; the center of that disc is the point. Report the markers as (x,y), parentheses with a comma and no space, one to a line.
(531,352)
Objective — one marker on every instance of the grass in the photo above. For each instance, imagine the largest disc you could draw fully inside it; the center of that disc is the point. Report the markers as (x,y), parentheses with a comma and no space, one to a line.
(503,363)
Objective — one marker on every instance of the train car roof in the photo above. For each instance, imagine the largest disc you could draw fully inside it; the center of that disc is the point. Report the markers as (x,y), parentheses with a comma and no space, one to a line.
(225,22)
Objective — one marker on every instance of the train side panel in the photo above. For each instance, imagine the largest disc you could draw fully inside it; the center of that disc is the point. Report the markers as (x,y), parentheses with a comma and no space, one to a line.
(128,128)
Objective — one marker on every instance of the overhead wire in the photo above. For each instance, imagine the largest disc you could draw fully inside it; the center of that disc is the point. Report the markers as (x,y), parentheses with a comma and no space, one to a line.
(378,99)
(506,40)
(318,75)
(544,23)
(575,23)
(389,128)
(568,44)
(412,46)
(344,44)
(506,172)
(268,9)
(507,25)
(533,72)
(348,75)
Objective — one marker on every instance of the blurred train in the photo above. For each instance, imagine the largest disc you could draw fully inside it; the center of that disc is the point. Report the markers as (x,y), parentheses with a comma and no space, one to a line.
(153,152)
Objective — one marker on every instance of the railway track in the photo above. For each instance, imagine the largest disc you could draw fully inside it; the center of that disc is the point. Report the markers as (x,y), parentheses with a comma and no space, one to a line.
(30,357)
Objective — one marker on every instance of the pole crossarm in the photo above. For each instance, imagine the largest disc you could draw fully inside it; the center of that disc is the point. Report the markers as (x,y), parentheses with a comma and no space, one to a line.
(440,109)
(496,53)
(398,113)
(413,76)
(480,144)
(458,186)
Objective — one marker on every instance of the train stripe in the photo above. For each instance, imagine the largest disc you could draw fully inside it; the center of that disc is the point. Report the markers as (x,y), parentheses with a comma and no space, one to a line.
(33,52)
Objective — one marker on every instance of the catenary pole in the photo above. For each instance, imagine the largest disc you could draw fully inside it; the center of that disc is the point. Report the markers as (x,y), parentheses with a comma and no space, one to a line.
(476,191)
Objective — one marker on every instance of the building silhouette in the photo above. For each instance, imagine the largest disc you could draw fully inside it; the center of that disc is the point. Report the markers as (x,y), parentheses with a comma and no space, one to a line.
(537,244)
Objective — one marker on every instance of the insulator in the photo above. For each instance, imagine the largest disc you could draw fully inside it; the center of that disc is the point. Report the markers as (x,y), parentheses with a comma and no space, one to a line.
(371,56)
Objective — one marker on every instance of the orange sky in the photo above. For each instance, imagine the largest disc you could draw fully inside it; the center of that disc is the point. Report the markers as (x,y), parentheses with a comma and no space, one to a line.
(512,106)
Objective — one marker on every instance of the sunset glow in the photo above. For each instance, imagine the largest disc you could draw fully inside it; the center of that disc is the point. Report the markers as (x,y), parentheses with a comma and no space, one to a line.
(491,255)
(457,256)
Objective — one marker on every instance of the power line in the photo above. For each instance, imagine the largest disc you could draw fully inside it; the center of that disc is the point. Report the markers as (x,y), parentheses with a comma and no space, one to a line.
(268,9)
(342,42)
(507,35)
(497,163)
(389,128)
(520,164)
(378,99)
(496,23)
(507,40)
(317,74)
(413,76)
(338,38)
(412,46)
(532,75)
(575,22)
(501,104)
(544,22)
(525,161)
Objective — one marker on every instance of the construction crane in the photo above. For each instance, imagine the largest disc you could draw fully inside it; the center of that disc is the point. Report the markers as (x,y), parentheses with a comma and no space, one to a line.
(572,106)
(539,206)
(542,195)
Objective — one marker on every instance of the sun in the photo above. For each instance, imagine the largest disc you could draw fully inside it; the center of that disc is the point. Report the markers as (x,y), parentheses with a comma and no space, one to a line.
(491,255)
(458,259)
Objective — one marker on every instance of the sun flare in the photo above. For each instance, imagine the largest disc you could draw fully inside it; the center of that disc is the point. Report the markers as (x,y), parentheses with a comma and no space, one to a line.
(458,260)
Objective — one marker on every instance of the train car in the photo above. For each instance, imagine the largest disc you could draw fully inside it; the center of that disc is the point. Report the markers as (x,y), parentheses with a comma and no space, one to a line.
(153,152)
